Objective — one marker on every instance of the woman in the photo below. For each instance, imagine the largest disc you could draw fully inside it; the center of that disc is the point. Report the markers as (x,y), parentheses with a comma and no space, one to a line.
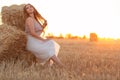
(44,49)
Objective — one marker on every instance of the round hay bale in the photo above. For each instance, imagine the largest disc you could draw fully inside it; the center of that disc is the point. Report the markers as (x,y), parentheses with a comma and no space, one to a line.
(13,45)
(13,15)
(93,37)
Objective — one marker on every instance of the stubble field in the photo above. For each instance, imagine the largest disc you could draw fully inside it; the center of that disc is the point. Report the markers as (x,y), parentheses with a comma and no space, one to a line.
(84,60)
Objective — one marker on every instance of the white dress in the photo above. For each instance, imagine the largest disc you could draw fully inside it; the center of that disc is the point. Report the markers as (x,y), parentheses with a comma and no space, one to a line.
(43,50)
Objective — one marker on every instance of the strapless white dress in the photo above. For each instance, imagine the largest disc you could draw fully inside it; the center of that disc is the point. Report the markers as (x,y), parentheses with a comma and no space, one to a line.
(42,50)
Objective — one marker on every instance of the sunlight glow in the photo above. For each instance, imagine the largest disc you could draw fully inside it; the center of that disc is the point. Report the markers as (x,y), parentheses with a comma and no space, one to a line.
(78,17)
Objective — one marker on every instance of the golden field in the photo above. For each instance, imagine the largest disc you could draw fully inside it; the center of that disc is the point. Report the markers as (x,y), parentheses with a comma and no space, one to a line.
(84,60)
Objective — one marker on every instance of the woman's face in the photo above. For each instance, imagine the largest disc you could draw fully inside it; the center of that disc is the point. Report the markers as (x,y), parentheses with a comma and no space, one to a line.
(29,9)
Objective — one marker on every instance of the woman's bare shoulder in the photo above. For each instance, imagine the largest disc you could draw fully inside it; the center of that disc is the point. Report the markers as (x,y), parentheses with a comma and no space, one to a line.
(29,20)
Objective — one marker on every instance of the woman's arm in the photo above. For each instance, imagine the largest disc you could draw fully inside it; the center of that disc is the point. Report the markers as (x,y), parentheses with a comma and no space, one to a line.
(30,24)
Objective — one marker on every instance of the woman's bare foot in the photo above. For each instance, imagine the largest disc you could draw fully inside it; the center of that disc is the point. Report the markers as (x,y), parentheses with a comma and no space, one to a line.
(57,61)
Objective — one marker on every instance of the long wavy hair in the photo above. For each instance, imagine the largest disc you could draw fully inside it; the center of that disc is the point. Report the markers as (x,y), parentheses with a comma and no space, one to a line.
(37,15)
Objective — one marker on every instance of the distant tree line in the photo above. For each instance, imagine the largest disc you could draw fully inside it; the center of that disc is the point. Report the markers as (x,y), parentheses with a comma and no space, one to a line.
(93,36)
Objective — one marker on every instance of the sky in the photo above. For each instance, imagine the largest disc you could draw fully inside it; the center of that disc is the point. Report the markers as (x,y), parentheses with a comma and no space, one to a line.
(78,17)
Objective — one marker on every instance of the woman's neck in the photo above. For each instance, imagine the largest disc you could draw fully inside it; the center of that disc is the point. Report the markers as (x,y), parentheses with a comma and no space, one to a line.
(32,15)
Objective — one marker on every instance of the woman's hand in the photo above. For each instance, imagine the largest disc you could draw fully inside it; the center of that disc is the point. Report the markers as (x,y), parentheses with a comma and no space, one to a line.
(47,39)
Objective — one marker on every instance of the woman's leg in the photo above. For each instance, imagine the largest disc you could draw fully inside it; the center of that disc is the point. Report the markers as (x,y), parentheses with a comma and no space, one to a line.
(57,60)
(50,62)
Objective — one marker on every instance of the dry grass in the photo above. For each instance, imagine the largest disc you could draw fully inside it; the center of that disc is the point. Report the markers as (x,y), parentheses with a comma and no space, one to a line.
(84,61)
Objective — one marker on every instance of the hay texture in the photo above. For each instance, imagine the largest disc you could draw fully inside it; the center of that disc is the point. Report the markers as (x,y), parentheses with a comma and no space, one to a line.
(12,36)
(13,15)
(13,45)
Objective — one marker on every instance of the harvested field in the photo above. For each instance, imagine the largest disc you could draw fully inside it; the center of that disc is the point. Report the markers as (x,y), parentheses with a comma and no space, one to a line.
(84,60)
